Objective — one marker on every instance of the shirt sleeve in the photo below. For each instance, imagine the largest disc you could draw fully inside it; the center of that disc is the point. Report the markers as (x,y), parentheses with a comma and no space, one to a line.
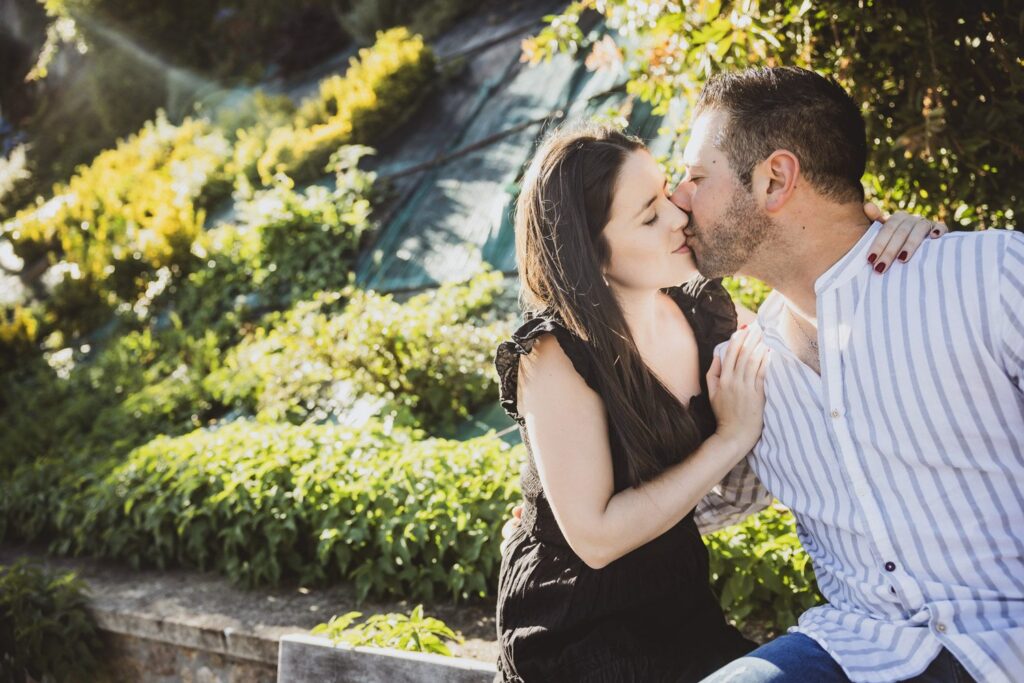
(1011,299)
(739,495)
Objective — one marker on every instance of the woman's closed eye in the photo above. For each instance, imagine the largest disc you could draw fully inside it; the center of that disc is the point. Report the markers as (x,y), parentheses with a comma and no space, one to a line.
(652,221)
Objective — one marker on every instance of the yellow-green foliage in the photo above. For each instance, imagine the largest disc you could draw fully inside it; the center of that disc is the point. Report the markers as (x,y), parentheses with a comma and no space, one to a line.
(138,206)
(747,291)
(376,94)
(19,332)
(413,632)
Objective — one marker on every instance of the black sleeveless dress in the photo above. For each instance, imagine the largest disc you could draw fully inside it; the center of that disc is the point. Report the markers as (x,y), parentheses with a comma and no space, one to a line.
(650,615)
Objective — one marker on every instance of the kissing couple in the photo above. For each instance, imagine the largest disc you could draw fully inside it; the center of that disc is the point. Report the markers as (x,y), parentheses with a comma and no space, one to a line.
(878,393)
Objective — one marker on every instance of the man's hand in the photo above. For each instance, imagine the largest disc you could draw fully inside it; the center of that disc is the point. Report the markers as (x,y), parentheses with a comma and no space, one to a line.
(511,526)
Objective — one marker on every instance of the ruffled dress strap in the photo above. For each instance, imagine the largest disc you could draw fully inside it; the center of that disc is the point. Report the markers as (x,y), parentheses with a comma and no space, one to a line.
(710,309)
(506,358)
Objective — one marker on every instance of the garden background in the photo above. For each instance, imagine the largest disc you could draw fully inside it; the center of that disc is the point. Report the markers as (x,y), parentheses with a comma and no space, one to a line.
(255,258)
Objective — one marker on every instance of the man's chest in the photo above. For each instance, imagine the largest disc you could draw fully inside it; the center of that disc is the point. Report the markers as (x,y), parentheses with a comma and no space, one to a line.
(899,395)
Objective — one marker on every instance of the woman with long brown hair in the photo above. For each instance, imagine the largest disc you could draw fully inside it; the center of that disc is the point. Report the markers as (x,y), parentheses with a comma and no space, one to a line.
(628,418)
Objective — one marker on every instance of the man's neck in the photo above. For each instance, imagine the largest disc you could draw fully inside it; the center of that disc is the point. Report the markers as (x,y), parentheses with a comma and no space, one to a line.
(805,252)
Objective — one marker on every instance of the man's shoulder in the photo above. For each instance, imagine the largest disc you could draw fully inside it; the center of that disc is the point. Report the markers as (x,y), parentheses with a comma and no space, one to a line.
(974,254)
(967,239)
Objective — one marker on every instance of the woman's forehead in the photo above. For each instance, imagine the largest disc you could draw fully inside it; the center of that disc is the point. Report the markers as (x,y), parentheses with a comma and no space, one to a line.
(639,178)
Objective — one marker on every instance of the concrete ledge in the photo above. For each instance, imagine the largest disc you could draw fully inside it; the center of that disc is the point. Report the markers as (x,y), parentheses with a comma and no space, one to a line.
(312,659)
(197,634)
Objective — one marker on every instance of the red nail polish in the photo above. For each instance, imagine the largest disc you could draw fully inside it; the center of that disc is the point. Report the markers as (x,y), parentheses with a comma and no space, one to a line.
(903,256)
(935,233)
(872,257)
(880,267)
(743,326)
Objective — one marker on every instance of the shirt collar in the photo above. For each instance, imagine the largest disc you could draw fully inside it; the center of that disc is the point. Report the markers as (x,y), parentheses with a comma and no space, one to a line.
(850,264)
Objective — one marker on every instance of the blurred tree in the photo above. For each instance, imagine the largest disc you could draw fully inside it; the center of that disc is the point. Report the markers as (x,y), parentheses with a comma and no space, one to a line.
(940,83)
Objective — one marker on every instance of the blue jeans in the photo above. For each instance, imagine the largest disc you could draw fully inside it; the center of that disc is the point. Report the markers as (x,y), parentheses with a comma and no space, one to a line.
(795,658)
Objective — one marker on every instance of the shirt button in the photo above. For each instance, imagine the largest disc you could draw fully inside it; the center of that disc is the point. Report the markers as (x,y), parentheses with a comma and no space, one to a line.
(940,627)
(835,412)
(890,566)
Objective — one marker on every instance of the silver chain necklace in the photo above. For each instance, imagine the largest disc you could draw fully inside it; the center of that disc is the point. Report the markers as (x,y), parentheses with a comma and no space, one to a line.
(812,342)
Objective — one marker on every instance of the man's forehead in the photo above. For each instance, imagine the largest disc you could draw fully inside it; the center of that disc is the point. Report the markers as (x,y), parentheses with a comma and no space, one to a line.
(705,137)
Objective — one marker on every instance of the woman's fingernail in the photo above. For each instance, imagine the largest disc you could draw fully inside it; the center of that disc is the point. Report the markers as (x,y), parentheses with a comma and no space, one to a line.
(872,257)
(903,256)
(880,267)
(743,326)
(935,233)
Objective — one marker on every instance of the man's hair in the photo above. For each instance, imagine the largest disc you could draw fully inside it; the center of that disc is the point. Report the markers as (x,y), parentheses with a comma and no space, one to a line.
(796,110)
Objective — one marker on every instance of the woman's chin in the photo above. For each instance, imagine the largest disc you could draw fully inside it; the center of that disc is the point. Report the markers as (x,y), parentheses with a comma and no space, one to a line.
(686,269)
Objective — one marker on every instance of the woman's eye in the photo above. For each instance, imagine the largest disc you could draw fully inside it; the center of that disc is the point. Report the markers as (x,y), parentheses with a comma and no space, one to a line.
(653,220)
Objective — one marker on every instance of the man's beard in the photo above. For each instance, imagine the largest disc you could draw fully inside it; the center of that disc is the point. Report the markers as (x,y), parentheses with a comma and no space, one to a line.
(722,248)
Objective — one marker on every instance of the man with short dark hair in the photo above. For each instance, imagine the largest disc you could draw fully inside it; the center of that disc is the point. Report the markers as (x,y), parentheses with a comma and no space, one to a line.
(894,424)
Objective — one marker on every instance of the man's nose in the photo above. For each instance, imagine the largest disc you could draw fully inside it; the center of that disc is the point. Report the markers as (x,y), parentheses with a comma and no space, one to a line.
(681,197)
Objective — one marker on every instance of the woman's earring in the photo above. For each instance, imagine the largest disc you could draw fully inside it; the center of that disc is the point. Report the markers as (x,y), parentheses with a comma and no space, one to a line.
(604,276)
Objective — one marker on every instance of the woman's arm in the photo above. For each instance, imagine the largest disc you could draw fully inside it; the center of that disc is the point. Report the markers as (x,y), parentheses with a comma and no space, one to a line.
(568,431)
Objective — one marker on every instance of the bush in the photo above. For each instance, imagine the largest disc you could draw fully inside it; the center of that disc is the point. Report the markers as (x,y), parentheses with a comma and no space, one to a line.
(377,93)
(428,360)
(432,354)
(287,246)
(64,425)
(412,633)
(248,125)
(46,630)
(221,291)
(309,239)
(761,572)
(222,38)
(396,513)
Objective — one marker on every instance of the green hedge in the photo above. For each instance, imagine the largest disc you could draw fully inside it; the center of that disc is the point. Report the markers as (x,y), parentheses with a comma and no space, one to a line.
(46,630)
(397,513)
(761,572)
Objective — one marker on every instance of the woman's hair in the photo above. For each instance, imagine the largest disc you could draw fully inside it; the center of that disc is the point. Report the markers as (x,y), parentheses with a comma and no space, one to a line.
(561,252)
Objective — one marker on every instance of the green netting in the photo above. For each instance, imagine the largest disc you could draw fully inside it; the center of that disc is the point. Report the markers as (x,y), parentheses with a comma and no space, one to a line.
(452,215)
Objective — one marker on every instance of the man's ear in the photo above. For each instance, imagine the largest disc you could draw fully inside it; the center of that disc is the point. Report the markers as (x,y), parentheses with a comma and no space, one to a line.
(776,179)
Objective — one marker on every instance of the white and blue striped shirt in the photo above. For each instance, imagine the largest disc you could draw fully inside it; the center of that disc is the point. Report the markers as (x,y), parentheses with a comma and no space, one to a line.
(904,461)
